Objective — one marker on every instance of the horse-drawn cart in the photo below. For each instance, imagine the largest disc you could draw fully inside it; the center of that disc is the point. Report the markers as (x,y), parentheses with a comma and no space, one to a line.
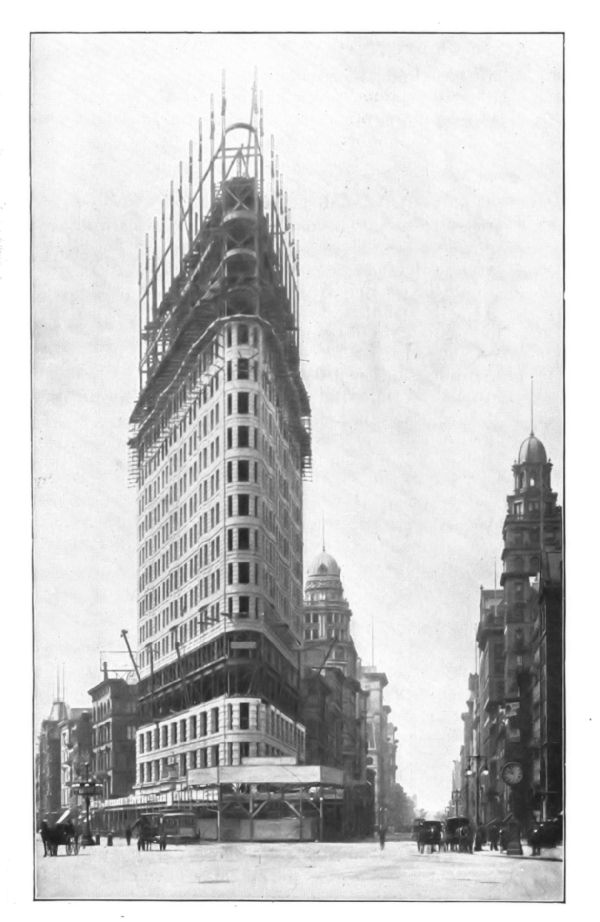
(429,834)
(63,832)
(459,834)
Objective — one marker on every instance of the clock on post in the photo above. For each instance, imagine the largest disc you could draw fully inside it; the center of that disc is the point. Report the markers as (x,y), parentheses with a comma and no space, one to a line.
(512,773)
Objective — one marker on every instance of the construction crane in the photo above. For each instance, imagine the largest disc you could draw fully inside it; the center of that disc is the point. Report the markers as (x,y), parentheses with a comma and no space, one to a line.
(131,656)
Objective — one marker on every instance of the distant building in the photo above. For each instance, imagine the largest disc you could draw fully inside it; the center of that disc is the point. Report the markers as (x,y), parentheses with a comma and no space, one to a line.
(48,762)
(490,699)
(515,709)
(533,527)
(75,733)
(547,690)
(114,722)
(381,752)
(333,703)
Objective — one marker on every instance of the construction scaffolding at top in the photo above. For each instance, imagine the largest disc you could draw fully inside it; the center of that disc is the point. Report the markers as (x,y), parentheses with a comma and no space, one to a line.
(223,246)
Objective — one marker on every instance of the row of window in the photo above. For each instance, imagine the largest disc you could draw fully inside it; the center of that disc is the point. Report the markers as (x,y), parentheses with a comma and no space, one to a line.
(239,716)
(204,757)
(202,393)
(242,367)
(175,463)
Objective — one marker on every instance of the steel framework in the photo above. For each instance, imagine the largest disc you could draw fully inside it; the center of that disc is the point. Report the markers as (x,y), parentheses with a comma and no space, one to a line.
(230,251)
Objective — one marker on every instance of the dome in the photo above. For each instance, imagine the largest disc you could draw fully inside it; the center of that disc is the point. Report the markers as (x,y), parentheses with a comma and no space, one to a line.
(532,451)
(324,565)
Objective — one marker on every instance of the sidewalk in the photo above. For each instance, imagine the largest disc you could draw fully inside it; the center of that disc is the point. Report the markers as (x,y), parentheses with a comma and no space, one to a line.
(548,854)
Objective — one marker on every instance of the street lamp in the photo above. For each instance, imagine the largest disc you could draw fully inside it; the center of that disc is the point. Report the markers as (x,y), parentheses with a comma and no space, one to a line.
(87,789)
(456,798)
(476,772)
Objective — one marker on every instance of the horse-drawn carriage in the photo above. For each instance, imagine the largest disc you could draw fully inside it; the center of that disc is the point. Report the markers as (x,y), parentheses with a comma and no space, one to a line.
(459,834)
(150,830)
(429,833)
(63,832)
(545,834)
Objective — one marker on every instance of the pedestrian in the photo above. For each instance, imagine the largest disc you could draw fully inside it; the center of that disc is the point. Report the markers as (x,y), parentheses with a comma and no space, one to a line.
(44,835)
(494,835)
(128,834)
(382,832)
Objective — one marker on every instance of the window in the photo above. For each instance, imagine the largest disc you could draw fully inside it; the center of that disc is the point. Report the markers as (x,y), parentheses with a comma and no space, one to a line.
(243,369)
(173,733)
(229,371)
(215,755)
(243,471)
(203,725)
(193,728)
(243,402)
(244,715)
(243,437)
(242,334)
(243,539)
(244,573)
(243,504)
(214,722)
(230,437)
(244,606)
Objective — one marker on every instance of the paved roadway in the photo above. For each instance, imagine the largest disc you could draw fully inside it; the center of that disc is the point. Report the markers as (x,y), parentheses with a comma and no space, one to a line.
(279,871)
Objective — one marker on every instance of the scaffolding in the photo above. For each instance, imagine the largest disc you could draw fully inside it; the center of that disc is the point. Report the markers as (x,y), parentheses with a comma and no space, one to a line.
(224,245)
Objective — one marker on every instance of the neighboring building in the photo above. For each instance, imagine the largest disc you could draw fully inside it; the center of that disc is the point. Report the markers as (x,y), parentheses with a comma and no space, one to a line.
(48,762)
(114,718)
(533,526)
(333,701)
(329,656)
(381,752)
(515,710)
(75,733)
(547,690)
(490,701)
(220,443)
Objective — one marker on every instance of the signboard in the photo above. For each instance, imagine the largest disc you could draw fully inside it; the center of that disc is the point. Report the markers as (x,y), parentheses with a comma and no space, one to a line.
(242,645)
(87,789)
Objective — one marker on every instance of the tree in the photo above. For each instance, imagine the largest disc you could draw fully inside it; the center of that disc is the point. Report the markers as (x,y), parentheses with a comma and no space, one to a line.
(401,808)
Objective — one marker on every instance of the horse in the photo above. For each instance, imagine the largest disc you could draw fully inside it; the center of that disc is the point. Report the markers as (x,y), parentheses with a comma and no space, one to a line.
(60,834)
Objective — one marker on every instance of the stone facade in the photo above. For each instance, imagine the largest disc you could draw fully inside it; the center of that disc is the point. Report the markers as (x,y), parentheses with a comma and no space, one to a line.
(114,717)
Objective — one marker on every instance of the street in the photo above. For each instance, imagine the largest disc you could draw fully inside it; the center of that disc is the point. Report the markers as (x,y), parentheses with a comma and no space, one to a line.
(307,871)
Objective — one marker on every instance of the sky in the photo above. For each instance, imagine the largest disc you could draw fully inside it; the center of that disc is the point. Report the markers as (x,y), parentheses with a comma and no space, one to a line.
(424,175)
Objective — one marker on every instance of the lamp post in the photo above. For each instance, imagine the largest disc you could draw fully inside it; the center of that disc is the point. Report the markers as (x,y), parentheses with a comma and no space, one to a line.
(456,798)
(476,773)
(87,789)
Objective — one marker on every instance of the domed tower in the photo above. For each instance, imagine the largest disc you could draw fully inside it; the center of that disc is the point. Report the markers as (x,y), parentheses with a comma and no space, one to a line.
(532,527)
(327,639)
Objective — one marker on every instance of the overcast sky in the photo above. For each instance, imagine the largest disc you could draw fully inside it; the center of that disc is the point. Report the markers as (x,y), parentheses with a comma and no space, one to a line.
(424,178)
